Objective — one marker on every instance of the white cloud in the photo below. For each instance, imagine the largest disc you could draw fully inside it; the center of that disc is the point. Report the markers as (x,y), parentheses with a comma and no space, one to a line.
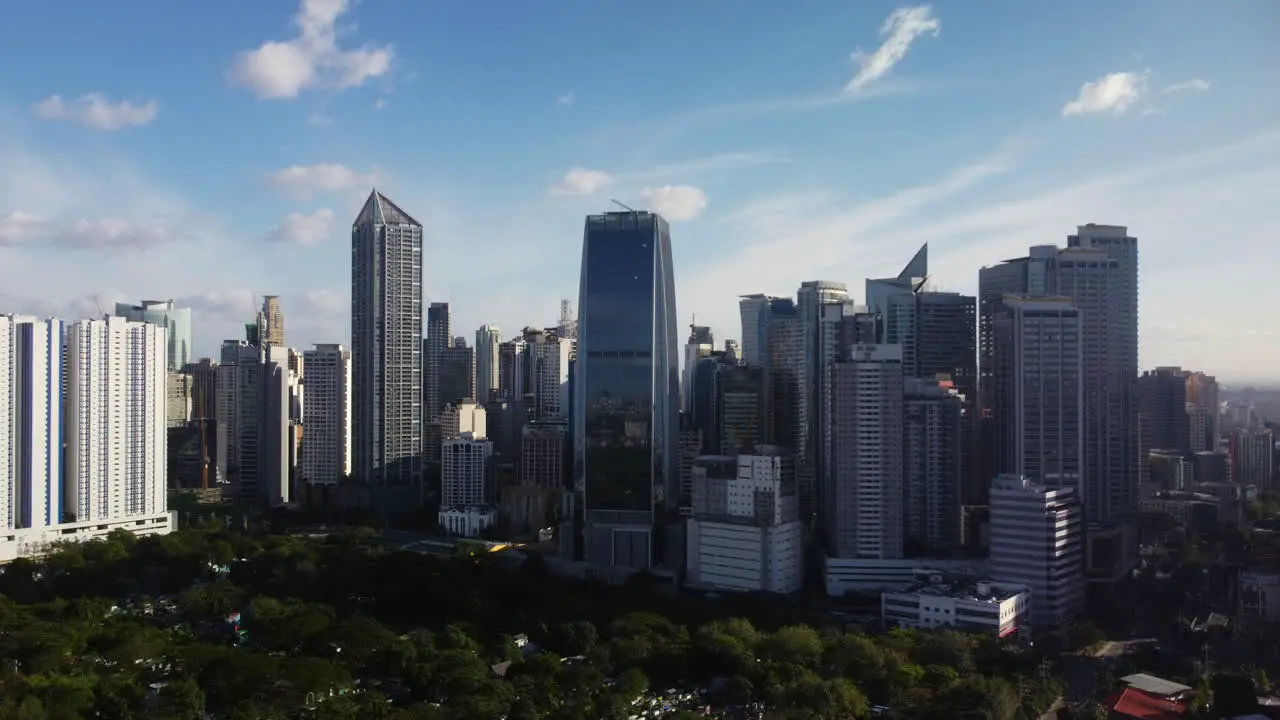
(677,203)
(899,30)
(304,228)
(312,59)
(96,111)
(1113,93)
(21,229)
(582,182)
(1193,85)
(380,103)
(303,182)
(319,120)
(566,99)
(1174,206)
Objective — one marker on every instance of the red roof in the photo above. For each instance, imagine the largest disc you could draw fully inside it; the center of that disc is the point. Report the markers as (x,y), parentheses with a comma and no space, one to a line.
(1141,706)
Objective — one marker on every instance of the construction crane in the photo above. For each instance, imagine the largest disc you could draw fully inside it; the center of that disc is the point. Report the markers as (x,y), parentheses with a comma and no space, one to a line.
(624,207)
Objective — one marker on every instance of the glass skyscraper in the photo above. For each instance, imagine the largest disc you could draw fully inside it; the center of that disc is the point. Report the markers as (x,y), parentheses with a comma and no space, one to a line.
(626,391)
(386,344)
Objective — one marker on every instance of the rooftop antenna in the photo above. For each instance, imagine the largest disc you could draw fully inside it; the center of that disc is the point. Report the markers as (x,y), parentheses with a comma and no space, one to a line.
(624,207)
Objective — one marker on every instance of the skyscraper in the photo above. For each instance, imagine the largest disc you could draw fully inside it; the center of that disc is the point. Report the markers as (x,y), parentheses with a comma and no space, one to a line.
(439,338)
(626,389)
(166,314)
(31,423)
(115,404)
(488,338)
(271,322)
(386,343)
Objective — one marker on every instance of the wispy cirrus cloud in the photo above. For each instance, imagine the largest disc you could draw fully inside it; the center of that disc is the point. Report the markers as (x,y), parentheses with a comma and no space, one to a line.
(582,182)
(303,182)
(97,111)
(900,30)
(1192,85)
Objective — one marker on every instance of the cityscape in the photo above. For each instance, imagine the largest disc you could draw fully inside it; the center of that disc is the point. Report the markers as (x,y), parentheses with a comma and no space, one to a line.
(870,496)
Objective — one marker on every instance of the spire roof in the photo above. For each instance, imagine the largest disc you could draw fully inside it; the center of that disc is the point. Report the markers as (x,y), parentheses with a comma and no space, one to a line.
(379,210)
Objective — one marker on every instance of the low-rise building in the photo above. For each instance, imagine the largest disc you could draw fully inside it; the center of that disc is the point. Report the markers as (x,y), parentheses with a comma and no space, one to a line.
(973,606)
(467,521)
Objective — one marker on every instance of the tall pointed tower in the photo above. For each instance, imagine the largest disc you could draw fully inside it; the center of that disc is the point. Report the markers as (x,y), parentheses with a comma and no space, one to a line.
(386,344)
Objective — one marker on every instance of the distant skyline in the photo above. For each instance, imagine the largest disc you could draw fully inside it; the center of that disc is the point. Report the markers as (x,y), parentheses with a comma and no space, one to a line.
(824,142)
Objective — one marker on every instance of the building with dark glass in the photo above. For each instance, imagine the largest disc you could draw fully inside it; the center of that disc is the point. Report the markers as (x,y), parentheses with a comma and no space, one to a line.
(626,391)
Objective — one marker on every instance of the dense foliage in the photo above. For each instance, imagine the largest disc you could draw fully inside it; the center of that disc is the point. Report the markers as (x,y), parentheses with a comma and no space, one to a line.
(342,627)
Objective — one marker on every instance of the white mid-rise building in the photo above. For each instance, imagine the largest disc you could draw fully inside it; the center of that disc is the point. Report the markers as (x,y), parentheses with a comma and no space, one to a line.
(31,428)
(746,533)
(326,444)
(115,405)
(467,521)
(464,475)
(964,604)
(1037,541)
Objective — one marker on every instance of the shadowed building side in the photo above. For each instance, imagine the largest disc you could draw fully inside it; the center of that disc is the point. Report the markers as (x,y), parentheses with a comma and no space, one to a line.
(626,392)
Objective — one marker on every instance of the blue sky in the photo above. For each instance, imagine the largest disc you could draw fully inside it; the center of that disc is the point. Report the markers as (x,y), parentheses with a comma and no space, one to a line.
(213,152)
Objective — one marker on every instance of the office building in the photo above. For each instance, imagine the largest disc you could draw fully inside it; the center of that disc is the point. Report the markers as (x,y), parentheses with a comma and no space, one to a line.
(278,434)
(461,418)
(1037,541)
(756,312)
(549,356)
(626,391)
(864,510)
(326,450)
(513,377)
(746,534)
(542,455)
(1037,391)
(175,320)
(741,406)
(787,376)
(1252,454)
(457,372)
(964,604)
(271,322)
(1202,392)
(439,338)
(699,345)
(115,422)
(488,338)
(1163,421)
(386,344)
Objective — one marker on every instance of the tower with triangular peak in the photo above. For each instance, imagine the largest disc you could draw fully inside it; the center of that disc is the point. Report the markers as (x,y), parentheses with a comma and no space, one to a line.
(386,344)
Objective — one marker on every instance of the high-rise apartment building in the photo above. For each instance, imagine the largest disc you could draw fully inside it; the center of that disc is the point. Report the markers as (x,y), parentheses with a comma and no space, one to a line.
(513,379)
(1252,454)
(488,338)
(271,322)
(326,449)
(1202,392)
(166,314)
(933,424)
(386,344)
(1037,393)
(1037,541)
(626,390)
(864,504)
(550,359)
(439,339)
(31,423)
(740,409)
(115,421)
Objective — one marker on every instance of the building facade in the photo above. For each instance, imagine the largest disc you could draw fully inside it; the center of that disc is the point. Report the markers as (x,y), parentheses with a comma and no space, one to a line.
(1037,541)
(175,320)
(386,344)
(488,338)
(326,448)
(626,391)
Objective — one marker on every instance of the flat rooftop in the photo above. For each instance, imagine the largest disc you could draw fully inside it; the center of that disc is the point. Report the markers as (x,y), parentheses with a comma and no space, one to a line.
(962,590)
(1155,685)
